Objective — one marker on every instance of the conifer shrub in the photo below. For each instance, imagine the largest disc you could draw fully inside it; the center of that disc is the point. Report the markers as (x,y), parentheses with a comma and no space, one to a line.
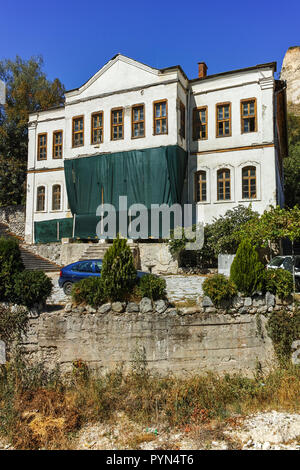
(153,287)
(279,282)
(89,291)
(247,272)
(219,289)
(32,287)
(11,264)
(118,272)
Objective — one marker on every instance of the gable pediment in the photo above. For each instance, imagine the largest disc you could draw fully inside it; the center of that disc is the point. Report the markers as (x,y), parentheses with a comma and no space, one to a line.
(119,73)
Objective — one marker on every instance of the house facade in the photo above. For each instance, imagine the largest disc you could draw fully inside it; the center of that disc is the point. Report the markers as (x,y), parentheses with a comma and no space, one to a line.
(125,129)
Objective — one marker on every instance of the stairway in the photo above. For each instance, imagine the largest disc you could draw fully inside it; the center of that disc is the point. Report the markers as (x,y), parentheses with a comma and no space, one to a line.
(98,250)
(34,262)
(31,261)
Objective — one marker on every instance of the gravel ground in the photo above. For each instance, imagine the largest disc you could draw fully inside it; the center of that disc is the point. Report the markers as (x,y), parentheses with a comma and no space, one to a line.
(262,431)
(179,288)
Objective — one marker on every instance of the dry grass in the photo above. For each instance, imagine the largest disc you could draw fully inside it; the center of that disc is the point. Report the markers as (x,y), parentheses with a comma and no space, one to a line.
(40,412)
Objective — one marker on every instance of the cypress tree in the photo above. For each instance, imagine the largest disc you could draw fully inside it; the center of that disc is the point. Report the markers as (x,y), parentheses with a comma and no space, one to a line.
(118,272)
(247,272)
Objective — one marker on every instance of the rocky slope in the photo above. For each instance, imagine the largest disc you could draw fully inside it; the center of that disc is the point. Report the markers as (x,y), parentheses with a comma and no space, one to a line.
(290,72)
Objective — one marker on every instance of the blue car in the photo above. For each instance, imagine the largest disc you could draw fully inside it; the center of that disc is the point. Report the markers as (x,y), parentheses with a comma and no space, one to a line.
(81,270)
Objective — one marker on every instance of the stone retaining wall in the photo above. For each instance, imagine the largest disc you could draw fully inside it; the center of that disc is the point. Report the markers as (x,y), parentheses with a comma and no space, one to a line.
(190,340)
(14,217)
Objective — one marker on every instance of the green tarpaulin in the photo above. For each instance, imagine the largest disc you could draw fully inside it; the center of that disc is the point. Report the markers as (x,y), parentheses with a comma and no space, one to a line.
(148,176)
(53,230)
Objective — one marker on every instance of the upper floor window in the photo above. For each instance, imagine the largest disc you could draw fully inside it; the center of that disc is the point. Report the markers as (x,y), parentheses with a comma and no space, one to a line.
(40,198)
(182,120)
(56,197)
(248,115)
(78,131)
(200,123)
(249,182)
(117,124)
(223,184)
(160,117)
(57,144)
(138,121)
(223,121)
(97,128)
(42,147)
(200,186)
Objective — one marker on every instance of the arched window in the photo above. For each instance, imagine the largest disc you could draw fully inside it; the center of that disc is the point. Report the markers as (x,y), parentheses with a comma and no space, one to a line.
(200,186)
(249,182)
(56,197)
(40,200)
(223,184)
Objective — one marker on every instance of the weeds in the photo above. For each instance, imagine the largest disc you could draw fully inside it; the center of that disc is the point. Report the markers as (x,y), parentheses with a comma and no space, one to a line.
(40,409)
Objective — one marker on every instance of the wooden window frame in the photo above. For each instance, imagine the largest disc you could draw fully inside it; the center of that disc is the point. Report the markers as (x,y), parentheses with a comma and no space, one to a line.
(97,128)
(77,132)
(247,117)
(59,131)
(202,183)
(60,198)
(226,103)
(224,185)
(116,125)
(42,146)
(248,178)
(37,197)
(195,138)
(182,120)
(160,118)
(139,105)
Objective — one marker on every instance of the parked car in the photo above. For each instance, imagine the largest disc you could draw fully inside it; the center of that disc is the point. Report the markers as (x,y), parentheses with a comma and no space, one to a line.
(81,270)
(286,262)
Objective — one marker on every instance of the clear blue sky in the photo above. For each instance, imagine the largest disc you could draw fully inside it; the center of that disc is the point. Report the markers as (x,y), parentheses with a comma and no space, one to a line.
(77,37)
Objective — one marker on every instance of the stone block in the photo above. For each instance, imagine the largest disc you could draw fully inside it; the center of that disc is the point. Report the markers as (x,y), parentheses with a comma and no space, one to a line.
(132,307)
(160,306)
(145,305)
(207,302)
(270,299)
(117,307)
(104,308)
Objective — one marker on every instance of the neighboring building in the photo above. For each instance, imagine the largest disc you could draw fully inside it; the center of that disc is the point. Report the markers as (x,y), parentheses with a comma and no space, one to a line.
(224,134)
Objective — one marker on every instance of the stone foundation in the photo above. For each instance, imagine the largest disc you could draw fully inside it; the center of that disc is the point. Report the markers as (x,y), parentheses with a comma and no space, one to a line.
(186,341)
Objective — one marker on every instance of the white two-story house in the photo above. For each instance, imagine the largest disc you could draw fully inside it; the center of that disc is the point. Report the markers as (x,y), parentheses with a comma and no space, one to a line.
(215,141)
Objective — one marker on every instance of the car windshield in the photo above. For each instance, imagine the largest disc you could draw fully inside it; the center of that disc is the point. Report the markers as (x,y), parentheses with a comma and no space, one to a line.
(84,267)
(98,266)
(277,261)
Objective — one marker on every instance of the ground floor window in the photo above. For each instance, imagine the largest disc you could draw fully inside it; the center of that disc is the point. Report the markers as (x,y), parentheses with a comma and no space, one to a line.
(223,184)
(56,197)
(200,186)
(249,182)
(40,203)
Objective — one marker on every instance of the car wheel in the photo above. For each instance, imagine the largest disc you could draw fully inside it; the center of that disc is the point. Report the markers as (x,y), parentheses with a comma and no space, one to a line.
(67,287)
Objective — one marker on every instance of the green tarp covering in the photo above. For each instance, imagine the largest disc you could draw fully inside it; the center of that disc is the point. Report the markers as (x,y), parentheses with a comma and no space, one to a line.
(148,176)
(53,230)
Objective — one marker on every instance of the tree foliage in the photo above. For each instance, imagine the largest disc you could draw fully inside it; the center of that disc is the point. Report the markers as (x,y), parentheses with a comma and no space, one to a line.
(11,264)
(27,90)
(247,272)
(118,272)
(292,163)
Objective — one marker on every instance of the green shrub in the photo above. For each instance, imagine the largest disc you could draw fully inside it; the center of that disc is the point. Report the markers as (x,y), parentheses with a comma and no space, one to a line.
(32,287)
(90,291)
(247,272)
(11,264)
(218,288)
(152,287)
(279,282)
(283,329)
(118,271)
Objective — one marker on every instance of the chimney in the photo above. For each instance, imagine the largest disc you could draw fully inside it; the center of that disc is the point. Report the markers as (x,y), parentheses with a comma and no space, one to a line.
(202,69)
